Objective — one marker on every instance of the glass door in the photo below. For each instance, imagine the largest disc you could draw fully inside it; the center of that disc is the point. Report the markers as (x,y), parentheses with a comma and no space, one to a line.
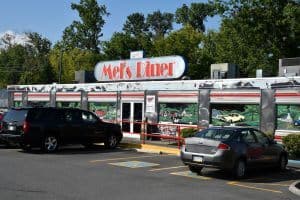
(132,117)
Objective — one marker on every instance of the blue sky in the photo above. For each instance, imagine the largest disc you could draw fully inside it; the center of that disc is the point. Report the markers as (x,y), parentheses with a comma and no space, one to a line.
(50,17)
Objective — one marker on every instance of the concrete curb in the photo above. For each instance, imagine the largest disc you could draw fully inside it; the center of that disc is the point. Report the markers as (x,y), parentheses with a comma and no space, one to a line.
(294,189)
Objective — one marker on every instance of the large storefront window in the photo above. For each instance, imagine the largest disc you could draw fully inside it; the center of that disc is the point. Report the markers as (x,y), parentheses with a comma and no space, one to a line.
(288,117)
(178,113)
(68,104)
(237,114)
(18,104)
(105,110)
(38,103)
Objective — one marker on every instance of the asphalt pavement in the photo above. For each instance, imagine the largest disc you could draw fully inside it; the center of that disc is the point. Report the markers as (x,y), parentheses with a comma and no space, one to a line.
(78,173)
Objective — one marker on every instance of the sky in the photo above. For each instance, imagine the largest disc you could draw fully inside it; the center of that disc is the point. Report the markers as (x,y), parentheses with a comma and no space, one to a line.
(50,17)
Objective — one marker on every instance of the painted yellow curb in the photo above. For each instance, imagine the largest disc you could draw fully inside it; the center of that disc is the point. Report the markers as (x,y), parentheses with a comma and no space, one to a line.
(130,145)
(160,149)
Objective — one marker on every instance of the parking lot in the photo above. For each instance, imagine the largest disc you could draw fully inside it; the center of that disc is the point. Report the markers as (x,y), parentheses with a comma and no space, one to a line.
(78,173)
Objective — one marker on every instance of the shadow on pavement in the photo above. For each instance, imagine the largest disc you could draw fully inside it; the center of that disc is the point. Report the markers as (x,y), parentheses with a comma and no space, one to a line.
(267,175)
(78,149)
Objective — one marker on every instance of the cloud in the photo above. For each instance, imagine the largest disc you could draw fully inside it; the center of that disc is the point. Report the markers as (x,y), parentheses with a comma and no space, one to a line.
(9,37)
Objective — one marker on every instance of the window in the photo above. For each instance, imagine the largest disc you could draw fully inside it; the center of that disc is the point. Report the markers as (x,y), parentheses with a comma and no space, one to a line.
(18,104)
(89,117)
(179,113)
(288,117)
(73,116)
(238,114)
(104,110)
(261,138)
(68,104)
(215,134)
(247,136)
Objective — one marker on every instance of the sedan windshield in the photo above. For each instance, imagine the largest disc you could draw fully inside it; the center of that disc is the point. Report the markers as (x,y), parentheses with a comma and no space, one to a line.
(216,134)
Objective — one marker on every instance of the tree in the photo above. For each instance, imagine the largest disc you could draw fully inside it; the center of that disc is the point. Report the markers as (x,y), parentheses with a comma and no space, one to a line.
(195,15)
(119,46)
(160,23)
(37,64)
(72,60)
(255,34)
(185,42)
(27,63)
(135,25)
(85,34)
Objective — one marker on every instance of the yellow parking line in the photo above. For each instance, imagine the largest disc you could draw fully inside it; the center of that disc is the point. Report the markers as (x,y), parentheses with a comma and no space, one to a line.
(274,184)
(124,158)
(160,169)
(234,183)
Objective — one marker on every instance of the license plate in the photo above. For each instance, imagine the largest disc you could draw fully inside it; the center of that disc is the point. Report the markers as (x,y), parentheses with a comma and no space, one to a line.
(11,128)
(198,159)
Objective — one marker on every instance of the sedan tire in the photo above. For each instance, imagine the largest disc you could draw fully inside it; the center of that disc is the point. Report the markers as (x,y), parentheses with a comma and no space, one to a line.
(239,170)
(282,163)
(195,169)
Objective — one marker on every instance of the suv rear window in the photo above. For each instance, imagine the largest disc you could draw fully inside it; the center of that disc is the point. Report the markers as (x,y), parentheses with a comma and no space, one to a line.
(216,134)
(15,116)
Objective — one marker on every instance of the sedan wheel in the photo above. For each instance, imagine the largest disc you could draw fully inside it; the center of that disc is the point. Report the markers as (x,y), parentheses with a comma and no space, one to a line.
(50,144)
(195,169)
(111,141)
(240,169)
(282,163)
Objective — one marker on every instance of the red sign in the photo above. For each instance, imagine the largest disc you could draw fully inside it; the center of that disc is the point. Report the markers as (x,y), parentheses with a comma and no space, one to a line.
(169,67)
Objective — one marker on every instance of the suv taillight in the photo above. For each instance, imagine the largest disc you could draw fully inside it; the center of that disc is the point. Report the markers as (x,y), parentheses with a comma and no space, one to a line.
(223,146)
(25,127)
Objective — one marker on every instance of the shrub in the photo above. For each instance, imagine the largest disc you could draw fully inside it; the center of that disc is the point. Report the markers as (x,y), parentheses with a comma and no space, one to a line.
(188,132)
(292,144)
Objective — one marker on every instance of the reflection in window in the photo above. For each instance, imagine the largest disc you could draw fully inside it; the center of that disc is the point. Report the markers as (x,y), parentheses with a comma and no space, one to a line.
(179,113)
(288,117)
(68,104)
(238,114)
(104,110)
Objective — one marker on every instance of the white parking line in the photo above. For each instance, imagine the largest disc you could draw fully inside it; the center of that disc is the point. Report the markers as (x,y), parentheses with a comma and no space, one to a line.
(160,169)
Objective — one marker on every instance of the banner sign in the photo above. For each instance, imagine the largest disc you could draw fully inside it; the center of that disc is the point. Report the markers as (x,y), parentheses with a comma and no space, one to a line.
(168,67)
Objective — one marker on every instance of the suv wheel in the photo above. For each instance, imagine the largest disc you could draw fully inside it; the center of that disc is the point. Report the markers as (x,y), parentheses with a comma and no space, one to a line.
(111,141)
(195,169)
(50,143)
(239,170)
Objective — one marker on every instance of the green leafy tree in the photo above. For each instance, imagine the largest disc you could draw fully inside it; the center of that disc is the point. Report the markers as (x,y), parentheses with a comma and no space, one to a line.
(119,46)
(26,64)
(135,25)
(255,34)
(185,42)
(85,34)
(160,23)
(195,15)
(72,60)
(37,65)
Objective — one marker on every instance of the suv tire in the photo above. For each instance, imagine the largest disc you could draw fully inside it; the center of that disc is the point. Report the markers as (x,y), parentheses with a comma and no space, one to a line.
(239,170)
(50,143)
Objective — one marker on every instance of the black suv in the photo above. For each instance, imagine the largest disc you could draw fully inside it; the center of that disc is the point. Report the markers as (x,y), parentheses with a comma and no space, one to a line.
(48,128)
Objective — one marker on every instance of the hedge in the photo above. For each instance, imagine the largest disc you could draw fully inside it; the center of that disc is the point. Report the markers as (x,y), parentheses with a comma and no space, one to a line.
(292,144)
